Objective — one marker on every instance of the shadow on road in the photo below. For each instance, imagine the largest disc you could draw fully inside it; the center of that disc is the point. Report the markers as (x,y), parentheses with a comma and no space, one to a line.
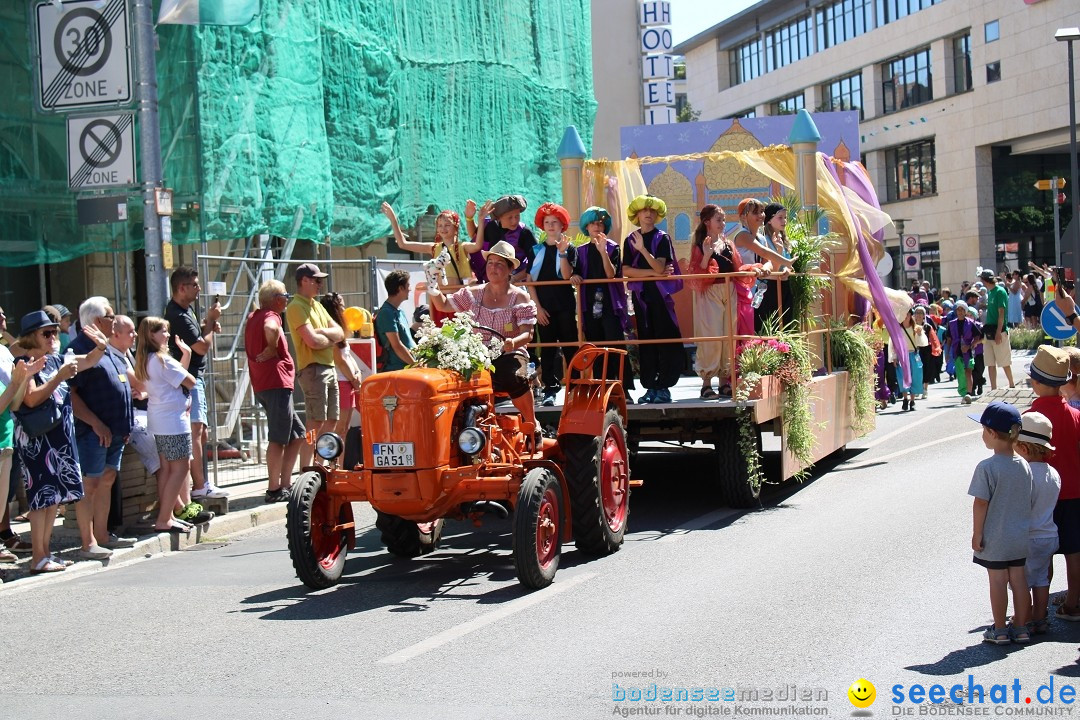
(959,661)
(679,488)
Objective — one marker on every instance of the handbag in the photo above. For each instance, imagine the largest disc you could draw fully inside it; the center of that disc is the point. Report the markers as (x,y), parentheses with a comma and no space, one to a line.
(38,421)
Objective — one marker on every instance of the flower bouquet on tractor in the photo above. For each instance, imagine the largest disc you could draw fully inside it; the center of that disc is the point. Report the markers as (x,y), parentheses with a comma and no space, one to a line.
(438,443)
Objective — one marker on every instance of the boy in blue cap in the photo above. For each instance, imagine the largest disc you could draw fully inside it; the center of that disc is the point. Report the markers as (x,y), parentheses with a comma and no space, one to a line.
(1001,514)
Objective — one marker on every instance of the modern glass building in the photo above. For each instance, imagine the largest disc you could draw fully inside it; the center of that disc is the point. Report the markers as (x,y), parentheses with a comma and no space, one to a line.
(963,106)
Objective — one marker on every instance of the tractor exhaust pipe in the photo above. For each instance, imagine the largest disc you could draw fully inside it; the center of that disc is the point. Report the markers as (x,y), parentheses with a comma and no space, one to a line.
(486,506)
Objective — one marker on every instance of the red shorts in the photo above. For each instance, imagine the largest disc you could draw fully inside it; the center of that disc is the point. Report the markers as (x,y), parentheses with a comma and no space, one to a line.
(345,395)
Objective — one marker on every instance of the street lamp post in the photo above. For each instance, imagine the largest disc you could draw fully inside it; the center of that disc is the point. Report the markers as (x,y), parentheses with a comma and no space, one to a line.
(1067,35)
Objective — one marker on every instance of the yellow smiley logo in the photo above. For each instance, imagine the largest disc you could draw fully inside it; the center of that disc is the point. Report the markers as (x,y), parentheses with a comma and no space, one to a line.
(862,693)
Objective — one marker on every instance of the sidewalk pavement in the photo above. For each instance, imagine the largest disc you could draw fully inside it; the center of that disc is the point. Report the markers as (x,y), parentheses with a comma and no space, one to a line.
(247,510)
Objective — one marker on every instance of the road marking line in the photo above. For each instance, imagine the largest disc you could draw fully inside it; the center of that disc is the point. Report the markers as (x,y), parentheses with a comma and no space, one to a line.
(905,451)
(696,524)
(510,608)
(888,436)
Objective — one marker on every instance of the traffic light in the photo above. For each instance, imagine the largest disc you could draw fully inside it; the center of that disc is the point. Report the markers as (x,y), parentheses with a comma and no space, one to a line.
(1060,198)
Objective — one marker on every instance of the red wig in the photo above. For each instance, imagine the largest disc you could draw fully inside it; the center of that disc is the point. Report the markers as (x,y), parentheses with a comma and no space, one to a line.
(552,209)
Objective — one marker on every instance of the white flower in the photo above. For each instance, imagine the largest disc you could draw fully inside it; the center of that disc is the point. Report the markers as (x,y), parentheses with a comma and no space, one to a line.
(454,346)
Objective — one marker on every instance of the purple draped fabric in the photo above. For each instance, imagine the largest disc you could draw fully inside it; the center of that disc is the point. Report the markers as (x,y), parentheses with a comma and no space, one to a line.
(856,181)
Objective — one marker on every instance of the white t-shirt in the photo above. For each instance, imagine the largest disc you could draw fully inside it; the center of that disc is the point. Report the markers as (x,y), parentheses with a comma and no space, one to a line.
(1045,486)
(167,405)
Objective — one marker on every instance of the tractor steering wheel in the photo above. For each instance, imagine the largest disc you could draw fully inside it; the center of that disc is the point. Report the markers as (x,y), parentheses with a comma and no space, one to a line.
(491,330)
(494,332)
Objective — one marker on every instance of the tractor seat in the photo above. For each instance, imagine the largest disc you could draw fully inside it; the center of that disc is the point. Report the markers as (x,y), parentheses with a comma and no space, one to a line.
(504,406)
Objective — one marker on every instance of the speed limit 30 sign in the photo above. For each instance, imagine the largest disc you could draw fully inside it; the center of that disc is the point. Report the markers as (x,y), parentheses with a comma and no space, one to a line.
(83,54)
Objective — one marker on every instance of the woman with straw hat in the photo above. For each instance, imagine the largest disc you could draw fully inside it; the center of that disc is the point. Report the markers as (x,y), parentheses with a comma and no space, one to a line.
(510,311)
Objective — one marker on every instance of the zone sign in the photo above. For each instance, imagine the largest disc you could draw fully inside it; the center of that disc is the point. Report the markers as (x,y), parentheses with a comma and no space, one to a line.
(82,54)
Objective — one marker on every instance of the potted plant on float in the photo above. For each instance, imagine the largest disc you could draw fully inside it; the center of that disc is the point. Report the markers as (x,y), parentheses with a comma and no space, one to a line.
(781,355)
(855,349)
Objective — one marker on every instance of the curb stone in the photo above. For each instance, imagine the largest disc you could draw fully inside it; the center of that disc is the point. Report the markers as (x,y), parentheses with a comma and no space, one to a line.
(148,546)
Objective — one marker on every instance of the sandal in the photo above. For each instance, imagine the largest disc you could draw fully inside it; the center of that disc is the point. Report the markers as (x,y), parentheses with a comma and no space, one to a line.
(16,544)
(20,518)
(997,636)
(46,565)
(1019,634)
(707,393)
(725,390)
(6,556)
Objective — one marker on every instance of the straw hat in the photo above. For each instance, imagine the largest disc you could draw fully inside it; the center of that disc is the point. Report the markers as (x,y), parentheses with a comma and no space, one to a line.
(1035,428)
(504,250)
(1050,366)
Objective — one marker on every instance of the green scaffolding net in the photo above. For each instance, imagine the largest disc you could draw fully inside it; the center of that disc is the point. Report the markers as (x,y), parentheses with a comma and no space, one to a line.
(301,123)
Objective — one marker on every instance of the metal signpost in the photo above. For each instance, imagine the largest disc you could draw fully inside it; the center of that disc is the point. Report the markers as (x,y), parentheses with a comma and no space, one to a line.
(84,50)
(911,258)
(1055,185)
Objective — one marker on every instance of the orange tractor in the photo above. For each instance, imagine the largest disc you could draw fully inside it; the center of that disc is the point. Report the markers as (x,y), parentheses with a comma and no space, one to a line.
(438,446)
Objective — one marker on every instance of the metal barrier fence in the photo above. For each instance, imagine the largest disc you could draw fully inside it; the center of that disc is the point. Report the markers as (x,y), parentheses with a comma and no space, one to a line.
(236,422)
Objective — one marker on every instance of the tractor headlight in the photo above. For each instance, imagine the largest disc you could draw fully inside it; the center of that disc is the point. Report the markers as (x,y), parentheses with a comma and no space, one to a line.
(471,441)
(329,446)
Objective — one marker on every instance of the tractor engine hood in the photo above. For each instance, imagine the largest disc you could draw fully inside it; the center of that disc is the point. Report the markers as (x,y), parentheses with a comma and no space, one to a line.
(416,405)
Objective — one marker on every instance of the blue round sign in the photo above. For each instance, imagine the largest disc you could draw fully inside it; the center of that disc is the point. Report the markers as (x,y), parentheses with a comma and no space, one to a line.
(1054,323)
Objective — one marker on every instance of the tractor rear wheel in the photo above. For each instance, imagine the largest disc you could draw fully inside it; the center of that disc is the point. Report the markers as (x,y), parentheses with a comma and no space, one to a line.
(538,529)
(598,472)
(408,539)
(318,555)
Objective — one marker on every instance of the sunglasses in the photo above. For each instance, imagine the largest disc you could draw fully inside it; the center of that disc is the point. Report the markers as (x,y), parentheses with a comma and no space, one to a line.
(282,295)
(49,333)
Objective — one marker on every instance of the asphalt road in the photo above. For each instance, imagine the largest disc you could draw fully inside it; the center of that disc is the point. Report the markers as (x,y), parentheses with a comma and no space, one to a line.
(863,572)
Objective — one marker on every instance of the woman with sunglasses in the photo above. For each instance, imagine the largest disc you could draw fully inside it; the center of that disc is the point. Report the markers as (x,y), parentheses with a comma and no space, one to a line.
(50,460)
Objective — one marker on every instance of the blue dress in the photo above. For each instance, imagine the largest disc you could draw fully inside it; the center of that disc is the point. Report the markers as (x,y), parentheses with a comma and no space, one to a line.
(51,461)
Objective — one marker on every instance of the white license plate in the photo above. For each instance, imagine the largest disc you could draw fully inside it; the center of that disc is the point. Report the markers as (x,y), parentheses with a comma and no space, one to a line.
(393,455)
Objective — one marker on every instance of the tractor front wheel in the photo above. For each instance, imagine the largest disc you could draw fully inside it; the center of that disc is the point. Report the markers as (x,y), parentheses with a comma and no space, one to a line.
(408,539)
(538,529)
(598,472)
(317,553)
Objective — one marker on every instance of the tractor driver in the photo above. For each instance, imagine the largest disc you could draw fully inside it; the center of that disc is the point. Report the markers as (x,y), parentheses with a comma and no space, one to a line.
(508,309)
